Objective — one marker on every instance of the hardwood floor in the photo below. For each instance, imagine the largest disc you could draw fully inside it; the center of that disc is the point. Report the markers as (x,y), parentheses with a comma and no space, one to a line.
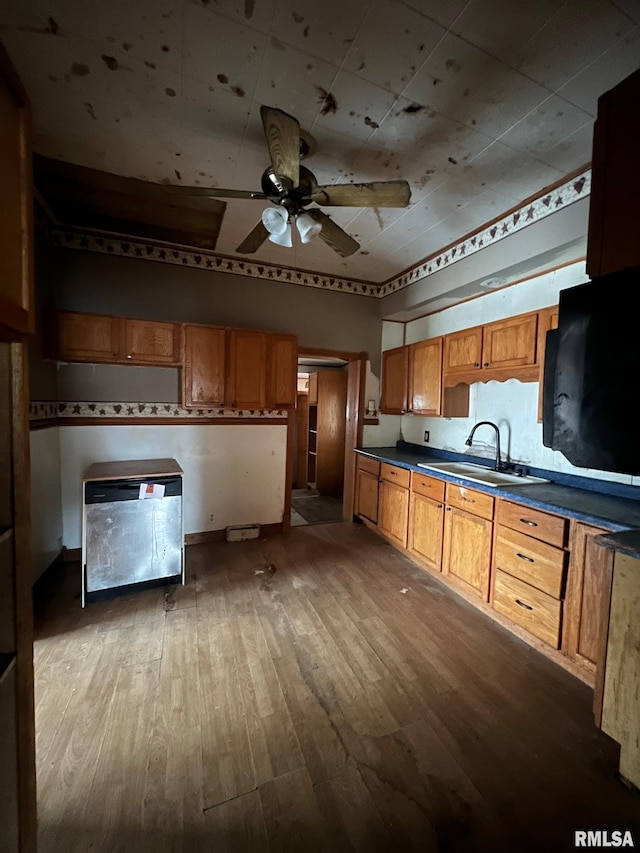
(311,692)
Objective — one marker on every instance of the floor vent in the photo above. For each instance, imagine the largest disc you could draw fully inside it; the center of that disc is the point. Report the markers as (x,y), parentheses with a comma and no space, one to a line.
(243,531)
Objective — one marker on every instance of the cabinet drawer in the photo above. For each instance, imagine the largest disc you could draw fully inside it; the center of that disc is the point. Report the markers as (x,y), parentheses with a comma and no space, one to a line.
(534,522)
(430,487)
(469,500)
(536,611)
(372,466)
(399,476)
(530,560)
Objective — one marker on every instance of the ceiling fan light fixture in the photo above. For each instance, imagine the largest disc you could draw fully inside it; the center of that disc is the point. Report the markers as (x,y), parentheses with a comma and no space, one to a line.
(307,227)
(282,238)
(275,220)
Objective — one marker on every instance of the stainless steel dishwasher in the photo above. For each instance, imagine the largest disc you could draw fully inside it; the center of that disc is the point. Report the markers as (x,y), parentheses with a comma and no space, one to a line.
(129,538)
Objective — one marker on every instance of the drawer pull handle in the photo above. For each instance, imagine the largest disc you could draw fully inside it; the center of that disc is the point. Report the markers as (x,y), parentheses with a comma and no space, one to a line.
(468,500)
(522,604)
(524,557)
(529,523)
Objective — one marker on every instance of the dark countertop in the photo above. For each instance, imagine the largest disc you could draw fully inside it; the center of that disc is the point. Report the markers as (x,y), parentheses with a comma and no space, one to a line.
(597,508)
(626,541)
(132,469)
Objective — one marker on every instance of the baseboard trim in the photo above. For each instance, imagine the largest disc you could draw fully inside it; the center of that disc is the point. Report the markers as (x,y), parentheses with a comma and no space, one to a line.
(266,532)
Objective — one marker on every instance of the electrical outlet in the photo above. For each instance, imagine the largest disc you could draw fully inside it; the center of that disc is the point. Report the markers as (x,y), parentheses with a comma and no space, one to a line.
(426,436)
(212,518)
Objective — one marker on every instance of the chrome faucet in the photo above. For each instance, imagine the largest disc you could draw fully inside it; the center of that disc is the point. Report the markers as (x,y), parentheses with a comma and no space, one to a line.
(498,463)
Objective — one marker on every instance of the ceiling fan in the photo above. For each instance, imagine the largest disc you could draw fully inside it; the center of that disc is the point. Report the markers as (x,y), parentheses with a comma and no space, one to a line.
(293,188)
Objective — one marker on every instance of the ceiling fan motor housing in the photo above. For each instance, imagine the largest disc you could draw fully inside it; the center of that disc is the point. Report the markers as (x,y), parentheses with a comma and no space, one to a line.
(281,191)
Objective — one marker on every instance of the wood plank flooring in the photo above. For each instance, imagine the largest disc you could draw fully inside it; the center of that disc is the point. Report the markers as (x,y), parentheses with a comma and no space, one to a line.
(292,697)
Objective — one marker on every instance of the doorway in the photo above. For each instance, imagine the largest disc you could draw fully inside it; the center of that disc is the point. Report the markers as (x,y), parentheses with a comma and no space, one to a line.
(320,429)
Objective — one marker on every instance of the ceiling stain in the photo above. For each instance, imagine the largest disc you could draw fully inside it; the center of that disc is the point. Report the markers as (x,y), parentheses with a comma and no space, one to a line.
(436,80)
(89,108)
(222,78)
(166,181)
(79,69)
(360,67)
(150,65)
(364,252)
(249,6)
(329,103)
(376,210)
(53,78)
(111,62)
(413,108)
(52,27)
(453,65)
(297,18)
(126,45)
(305,31)
(238,90)
(165,48)
(178,175)
(170,92)
(111,39)
(451,160)
(370,122)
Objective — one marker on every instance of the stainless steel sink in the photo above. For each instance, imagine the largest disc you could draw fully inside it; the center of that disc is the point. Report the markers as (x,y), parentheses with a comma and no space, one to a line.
(480,474)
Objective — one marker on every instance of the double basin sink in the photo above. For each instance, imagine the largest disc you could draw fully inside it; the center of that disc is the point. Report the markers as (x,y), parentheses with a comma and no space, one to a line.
(480,474)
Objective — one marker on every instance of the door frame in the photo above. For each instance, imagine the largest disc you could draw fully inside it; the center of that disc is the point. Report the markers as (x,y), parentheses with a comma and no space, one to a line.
(354,416)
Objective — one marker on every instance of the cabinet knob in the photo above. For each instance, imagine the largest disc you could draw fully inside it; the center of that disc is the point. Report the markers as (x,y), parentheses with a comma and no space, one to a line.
(448,509)
(476,364)
(440,506)
(129,356)
(486,364)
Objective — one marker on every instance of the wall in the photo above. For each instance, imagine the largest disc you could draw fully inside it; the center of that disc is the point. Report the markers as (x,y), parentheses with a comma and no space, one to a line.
(46,499)
(511,405)
(235,472)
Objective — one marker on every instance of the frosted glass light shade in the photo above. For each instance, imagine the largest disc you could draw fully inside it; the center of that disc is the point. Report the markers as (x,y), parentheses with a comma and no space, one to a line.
(307,227)
(275,220)
(282,239)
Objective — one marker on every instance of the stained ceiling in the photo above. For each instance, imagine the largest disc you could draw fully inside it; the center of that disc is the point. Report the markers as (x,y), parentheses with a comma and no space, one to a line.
(478,104)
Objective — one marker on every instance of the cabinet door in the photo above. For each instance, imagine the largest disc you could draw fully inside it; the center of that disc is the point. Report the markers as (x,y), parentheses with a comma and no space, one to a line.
(203,377)
(510,343)
(147,342)
(425,377)
(367,491)
(463,350)
(426,529)
(393,512)
(247,380)
(393,399)
(16,206)
(89,337)
(283,371)
(590,571)
(467,549)
(615,182)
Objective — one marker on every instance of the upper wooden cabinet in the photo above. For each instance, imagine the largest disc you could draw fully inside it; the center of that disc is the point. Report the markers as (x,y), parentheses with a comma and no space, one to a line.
(412,379)
(425,377)
(547,320)
(247,376)
(203,377)
(282,370)
(102,339)
(463,350)
(614,222)
(395,371)
(16,206)
(506,349)
(511,342)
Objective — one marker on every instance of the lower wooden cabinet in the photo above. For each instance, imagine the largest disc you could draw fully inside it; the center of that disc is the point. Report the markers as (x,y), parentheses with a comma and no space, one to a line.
(426,529)
(588,584)
(366,494)
(537,612)
(393,504)
(467,549)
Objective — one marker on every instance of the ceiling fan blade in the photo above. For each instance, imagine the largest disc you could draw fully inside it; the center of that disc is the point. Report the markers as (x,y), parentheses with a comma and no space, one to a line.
(374,194)
(210,192)
(283,140)
(254,239)
(333,235)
